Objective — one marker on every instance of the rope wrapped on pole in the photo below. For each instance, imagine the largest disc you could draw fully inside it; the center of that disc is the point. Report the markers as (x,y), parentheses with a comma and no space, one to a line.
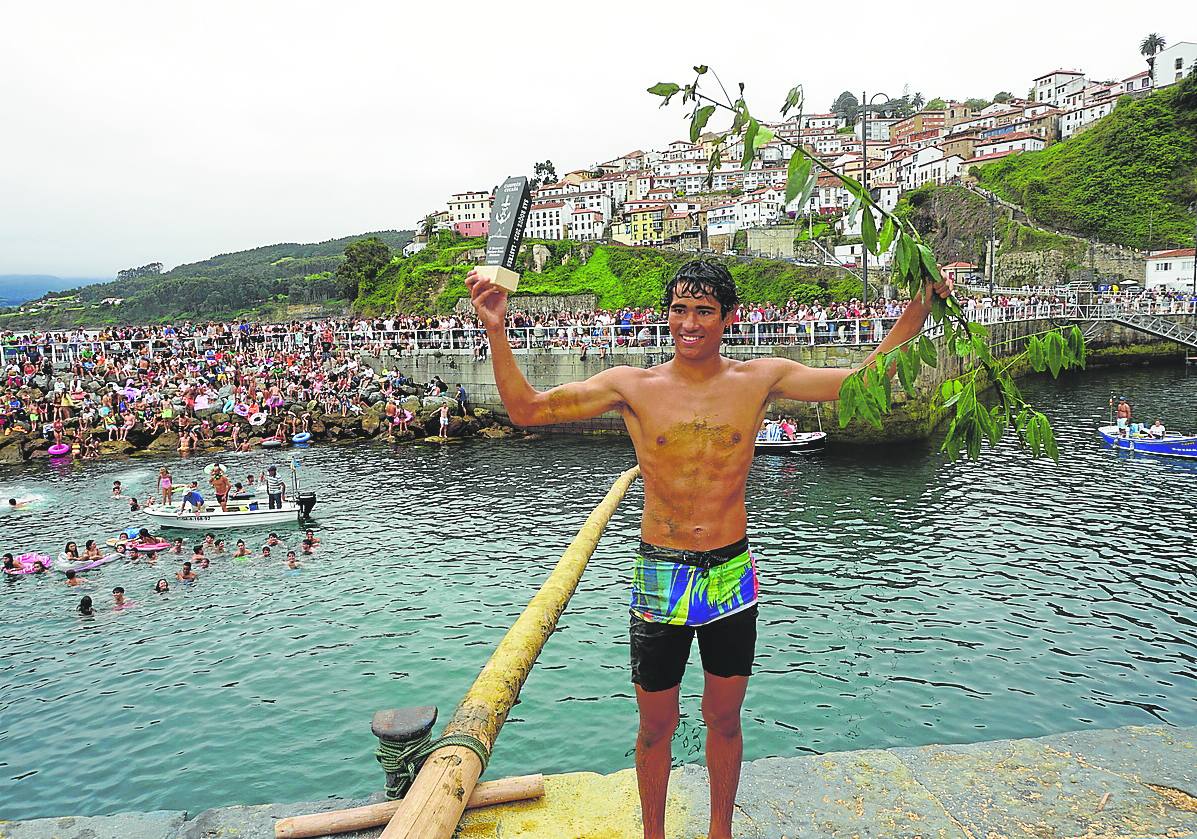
(433,806)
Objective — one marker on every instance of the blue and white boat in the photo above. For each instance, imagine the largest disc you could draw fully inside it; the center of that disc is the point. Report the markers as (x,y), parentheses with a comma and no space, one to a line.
(1170,445)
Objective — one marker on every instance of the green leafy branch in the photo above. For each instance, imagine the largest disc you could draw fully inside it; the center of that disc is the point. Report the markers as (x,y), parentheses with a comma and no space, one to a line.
(867,393)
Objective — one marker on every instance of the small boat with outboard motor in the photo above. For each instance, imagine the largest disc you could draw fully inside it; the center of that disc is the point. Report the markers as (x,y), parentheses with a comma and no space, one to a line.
(247,509)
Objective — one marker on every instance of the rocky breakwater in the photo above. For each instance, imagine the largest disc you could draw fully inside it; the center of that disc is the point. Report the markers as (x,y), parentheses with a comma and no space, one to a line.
(372,422)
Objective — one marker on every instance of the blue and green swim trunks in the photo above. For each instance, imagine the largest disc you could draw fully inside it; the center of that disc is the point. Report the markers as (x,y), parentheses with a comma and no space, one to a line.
(677,595)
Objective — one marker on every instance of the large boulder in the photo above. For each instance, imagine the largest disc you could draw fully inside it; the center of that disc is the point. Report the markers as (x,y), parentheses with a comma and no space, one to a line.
(370,422)
(110,447)
(167,441)
(434,403)
(496,432)
(12,454)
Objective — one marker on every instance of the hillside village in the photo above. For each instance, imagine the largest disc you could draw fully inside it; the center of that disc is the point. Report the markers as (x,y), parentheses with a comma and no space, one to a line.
(661,197)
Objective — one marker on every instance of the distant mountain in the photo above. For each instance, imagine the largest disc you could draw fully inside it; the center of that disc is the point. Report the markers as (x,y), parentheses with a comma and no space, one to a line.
(270,281)
(16,289)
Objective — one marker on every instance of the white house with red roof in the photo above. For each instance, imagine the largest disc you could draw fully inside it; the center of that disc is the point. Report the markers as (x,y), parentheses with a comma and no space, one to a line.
(1004,145)
(549,220)
(1171,270)
(1055,87)
(586,225)
(1138,83)
(1173,63)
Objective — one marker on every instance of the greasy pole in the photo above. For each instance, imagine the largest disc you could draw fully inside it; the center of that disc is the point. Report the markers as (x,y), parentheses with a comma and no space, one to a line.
(433,805)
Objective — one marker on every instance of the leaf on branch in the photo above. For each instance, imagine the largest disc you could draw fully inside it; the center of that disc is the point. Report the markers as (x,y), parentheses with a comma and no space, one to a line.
(868,231)
(763,135)
(750,142)
(888,231)
(665,89)
(929,265)
(700,69)
(906,254)
(793,100)
(927,351)
(1076,344)
(699,121)
(796,177)
(714,163)
(1035,354)
(853,186)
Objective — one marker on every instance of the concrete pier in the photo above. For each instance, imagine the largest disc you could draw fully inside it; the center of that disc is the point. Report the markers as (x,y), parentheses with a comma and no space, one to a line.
(1124,783)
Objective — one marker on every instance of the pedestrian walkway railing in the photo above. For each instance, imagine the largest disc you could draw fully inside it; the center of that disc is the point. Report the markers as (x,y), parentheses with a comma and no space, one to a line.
(85,346)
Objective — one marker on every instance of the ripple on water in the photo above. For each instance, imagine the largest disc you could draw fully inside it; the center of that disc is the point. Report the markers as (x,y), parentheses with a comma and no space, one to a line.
(905,601)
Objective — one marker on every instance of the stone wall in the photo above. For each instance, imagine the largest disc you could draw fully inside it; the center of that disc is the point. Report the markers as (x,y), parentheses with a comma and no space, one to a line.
(772,241)
(1108,342)
(540,303)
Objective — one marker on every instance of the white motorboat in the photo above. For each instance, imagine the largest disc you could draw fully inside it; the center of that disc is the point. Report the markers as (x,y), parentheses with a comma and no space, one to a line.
(239,514)
(249,509)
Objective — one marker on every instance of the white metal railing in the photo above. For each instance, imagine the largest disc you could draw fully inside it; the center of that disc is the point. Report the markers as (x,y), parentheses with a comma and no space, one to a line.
(73,349)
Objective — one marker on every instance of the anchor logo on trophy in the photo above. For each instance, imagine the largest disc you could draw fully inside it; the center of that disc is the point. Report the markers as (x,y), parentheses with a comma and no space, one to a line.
(508,218)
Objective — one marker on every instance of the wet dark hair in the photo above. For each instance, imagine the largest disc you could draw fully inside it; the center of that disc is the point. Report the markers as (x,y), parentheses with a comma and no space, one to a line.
(85,607)
(700,277)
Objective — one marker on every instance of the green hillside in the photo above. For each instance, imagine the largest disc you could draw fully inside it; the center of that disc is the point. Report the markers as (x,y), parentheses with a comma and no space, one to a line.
(433,280)
(1129,179)
(261,282)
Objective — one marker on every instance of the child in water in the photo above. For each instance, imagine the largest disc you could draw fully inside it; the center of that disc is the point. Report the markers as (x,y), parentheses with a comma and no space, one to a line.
(162,586)
(241,551)
(116,489)
(85,607)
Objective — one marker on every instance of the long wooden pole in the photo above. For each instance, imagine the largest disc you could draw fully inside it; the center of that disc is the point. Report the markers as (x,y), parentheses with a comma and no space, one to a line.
(520,788)
(434,804)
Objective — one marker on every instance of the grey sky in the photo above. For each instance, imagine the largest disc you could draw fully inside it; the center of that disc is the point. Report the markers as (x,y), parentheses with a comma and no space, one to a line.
(133,132)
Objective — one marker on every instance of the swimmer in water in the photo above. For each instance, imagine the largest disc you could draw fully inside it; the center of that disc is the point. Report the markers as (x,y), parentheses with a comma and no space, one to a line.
(119,603)
(14,504)
(162,586)
(292,562)
(10,564)
(39,567)
(133,505)
(91,550)
(116,489)
(204,563)
(311,537)
(241,549)
(134,554)
(307,547)
(73,579)
(218,546)
(144,537)
(266,552)
(198,553)
(70,553)
(85,607)
(186,575)
(272,540)
(177,547)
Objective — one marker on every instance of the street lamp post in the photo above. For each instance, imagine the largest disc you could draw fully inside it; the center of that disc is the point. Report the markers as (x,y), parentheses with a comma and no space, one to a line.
(989,260)
(865,104)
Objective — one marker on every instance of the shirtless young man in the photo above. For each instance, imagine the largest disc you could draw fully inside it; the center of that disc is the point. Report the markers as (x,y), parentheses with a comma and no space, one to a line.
(693,422)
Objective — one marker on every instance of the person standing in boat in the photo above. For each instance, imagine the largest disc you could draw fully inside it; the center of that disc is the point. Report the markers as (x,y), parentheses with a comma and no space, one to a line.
(693,422)
(1123,416)
(221,486)
(276,489)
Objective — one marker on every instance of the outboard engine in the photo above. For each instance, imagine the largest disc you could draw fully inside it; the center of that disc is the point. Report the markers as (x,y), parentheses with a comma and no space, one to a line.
(307,500)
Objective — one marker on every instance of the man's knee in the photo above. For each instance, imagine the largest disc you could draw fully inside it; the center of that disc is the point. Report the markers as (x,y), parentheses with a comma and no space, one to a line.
(658,726)
(723,722)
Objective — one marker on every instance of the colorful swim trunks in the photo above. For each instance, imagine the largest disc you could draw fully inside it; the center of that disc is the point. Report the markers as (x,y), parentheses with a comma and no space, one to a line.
(692,588)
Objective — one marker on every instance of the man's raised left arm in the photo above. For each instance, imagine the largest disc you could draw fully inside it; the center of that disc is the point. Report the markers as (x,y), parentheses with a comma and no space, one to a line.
(801,383)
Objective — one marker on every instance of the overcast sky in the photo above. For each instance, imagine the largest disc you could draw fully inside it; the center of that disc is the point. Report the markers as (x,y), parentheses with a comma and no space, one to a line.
(134,132)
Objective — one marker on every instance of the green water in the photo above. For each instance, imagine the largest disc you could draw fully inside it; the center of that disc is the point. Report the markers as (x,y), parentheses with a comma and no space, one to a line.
(905,600)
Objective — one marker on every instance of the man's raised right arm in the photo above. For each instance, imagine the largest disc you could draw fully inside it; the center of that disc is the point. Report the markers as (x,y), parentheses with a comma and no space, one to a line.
(525,404)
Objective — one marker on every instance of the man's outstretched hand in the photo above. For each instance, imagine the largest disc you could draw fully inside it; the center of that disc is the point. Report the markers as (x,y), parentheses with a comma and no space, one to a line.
(943,288)
(490,300)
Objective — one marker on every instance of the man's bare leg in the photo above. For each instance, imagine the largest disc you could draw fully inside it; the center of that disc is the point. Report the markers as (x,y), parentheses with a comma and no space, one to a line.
(658,721)
(722,697)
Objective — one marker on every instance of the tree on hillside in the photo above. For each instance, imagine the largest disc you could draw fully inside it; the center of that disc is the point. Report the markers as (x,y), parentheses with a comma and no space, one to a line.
(364,260)
(1149,46)
(428,226)
(149,270)
(975,105)
(917,101)
(1003,96)
(937,104)
(543,173)
(846,106)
